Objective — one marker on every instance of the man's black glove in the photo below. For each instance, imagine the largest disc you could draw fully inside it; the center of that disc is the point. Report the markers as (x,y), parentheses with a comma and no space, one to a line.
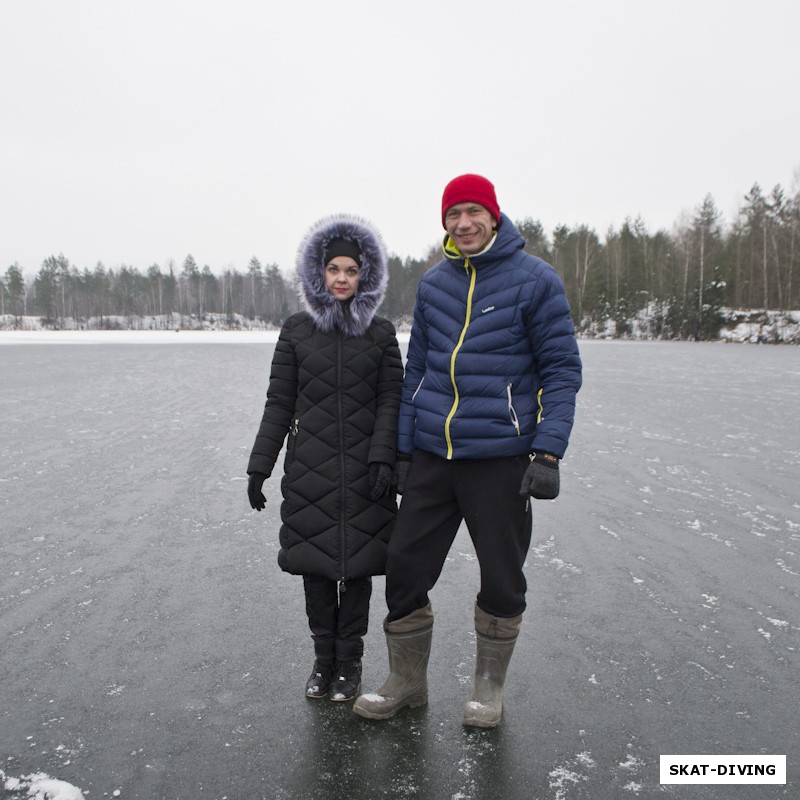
(401,468)
(254,484)
(380,479)
(541,480)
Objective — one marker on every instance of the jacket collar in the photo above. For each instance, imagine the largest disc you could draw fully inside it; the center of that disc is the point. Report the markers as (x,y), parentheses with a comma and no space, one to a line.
(507,240)
(451,250)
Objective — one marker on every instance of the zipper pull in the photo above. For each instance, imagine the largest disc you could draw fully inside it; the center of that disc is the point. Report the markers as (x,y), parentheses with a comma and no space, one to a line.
(295,426)
(342,586)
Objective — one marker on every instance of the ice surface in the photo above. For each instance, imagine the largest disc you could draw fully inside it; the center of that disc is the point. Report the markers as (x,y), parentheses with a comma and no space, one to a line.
(152,648)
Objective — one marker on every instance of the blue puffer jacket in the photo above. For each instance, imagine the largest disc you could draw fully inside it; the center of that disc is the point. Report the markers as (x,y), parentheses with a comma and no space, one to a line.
(493,364)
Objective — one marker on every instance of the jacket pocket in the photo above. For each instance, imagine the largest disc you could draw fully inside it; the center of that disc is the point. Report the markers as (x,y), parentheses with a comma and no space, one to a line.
(416,391)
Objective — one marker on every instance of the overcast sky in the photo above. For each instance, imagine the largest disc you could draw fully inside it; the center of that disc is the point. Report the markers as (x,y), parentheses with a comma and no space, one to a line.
(138,132)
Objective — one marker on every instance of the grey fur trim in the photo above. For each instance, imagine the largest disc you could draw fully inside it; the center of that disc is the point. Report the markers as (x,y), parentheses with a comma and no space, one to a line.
(353,317)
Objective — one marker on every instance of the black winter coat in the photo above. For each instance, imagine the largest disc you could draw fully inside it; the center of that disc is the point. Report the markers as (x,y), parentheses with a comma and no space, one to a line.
(337,395)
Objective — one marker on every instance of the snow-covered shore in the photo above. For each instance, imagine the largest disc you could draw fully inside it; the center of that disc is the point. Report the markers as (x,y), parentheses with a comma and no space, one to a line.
(42,336)
(755,326)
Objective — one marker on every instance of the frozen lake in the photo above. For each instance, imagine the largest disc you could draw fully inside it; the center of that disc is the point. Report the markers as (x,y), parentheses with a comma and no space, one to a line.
(152,648)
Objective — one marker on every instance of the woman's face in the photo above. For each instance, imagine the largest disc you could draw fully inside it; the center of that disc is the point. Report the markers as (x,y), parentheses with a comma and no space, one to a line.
(341,277)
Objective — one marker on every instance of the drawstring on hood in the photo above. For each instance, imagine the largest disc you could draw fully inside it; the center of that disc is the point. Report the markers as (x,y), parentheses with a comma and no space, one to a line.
(354,316)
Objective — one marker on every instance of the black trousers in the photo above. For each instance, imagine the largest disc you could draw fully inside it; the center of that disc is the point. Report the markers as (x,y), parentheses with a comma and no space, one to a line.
(338,616)
(438,495)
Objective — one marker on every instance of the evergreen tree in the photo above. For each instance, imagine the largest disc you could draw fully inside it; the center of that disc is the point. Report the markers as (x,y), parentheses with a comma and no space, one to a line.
(255,285)
(16,290)
(706,238)
(45,287)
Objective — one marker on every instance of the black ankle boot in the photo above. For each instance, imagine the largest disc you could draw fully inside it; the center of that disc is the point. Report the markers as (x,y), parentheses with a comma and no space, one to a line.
(319,681)
(346,680)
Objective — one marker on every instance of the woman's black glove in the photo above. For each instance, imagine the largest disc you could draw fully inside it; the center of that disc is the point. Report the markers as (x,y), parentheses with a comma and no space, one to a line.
(380,479)
(254,494)
(541,479)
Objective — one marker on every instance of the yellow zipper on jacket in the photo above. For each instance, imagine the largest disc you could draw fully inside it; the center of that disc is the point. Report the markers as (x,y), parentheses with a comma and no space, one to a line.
(472,275)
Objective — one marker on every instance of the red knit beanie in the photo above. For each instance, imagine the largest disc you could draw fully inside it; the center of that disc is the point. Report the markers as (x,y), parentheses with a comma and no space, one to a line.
(470,189)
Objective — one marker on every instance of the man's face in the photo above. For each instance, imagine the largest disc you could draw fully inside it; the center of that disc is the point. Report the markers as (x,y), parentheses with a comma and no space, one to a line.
(470,226)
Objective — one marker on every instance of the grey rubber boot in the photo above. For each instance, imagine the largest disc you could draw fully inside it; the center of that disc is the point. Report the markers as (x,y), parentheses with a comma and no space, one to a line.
(496,639)
(409,642)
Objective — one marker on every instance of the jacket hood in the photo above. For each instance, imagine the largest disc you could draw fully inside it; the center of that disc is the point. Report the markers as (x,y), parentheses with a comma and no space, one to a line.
(506,241)
(353,316)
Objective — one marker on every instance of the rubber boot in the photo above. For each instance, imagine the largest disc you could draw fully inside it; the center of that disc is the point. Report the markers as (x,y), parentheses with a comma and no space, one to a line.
(496,637)
(409,642)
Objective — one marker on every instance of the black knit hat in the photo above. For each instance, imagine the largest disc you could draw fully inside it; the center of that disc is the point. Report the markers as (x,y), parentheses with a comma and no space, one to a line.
(342,247)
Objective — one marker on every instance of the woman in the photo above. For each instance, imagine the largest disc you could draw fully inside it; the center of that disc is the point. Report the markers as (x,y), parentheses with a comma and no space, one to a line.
(335,387)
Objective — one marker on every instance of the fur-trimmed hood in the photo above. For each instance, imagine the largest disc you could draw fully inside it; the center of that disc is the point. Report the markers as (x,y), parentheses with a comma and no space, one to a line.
(352,317)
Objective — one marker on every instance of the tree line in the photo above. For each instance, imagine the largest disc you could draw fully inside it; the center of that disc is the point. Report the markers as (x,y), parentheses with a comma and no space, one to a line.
(681,278)
(61,291)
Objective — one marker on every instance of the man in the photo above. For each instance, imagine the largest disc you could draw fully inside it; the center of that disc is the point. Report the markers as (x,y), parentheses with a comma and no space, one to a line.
(487,409)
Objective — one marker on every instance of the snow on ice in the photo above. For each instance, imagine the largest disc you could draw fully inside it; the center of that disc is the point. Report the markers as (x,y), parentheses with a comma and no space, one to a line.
(41,787)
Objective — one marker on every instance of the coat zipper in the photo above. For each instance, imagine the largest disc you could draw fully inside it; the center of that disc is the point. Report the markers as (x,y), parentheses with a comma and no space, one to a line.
(342,478)
(470,269)
(294,429)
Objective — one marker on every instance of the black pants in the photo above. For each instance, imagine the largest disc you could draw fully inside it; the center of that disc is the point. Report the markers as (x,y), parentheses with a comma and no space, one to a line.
(438,495)
(337,616)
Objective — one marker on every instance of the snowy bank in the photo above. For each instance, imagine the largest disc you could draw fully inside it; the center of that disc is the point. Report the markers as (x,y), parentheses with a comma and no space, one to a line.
(137,337)
(771,327)
(755,326)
